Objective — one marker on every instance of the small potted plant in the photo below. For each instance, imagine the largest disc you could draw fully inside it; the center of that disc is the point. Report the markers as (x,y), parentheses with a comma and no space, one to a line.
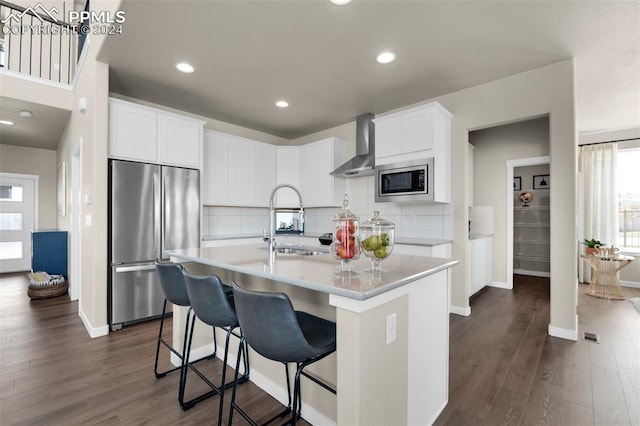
(592,246)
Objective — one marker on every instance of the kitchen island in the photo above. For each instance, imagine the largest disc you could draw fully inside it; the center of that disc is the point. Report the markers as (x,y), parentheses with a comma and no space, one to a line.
(391,363)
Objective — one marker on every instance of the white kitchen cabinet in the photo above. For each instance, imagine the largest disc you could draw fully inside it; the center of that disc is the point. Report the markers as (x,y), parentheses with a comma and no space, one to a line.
(242,159)
(141,133)
(317,160)
(480,263)
(417,133)
(215,170)
(179,141)
(440,250)
(265,173)
(287,171)
(237,171)
(132,132)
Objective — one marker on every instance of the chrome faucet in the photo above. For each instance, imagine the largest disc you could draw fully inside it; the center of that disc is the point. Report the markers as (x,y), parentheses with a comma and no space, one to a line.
(272,212)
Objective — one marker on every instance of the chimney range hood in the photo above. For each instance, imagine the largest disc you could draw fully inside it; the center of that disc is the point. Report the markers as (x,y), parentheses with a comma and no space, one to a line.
(364,161)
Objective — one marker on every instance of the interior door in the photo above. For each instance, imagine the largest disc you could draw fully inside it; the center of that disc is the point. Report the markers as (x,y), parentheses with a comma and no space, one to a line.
(17,219)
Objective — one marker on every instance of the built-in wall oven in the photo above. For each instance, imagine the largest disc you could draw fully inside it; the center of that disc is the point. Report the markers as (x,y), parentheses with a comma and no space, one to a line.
(410,181)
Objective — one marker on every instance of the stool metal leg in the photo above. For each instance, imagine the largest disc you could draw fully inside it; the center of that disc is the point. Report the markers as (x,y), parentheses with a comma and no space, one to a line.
(166,344)
(215,389)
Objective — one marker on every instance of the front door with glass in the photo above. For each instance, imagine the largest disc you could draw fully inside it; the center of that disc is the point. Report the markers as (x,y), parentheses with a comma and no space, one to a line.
(17,219)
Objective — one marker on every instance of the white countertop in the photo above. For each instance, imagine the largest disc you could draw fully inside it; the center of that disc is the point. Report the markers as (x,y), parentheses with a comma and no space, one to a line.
(317,272)
(429,242)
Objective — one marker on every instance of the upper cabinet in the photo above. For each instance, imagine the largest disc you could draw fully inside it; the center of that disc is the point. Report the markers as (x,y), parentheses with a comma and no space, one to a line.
(242,172)
(237,171)
(288,171)
(416,133)
(412,134)
(317,160)
(215,168)
(141,133)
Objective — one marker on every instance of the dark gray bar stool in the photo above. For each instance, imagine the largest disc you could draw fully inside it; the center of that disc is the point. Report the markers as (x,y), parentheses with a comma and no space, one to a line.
(173,285)
(276,331)
(212,303)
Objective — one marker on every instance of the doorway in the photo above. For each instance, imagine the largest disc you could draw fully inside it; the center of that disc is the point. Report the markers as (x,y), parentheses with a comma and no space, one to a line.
(18,216)
(531,229)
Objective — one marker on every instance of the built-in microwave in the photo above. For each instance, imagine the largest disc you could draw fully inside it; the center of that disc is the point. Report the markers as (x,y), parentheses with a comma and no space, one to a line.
(410,181)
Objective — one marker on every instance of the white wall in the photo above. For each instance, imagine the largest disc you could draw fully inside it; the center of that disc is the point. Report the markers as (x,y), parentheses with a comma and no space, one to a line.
(33,161)
(547,90)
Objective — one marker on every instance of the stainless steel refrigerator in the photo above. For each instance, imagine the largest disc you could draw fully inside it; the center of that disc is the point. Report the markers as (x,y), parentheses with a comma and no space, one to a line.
(152,209)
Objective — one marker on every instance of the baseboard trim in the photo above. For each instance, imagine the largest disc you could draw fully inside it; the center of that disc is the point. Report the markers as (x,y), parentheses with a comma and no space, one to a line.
(564,333)
(93,331)
(310,414)
(465,312)
(632,284)
(532,273)
(498,284)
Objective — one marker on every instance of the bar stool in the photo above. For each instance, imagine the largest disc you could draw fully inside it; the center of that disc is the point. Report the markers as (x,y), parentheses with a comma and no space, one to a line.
(276,331)
(212,303)
(175,291)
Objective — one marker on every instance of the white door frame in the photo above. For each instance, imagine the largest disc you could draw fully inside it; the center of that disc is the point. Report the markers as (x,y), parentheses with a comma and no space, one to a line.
(511,164)
(76,210)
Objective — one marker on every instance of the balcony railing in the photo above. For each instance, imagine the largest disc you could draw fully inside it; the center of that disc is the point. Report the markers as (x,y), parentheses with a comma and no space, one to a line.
(629,235)
(36,41)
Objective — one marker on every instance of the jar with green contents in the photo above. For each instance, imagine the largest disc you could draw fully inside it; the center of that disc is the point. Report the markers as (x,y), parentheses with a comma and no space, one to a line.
(376,239)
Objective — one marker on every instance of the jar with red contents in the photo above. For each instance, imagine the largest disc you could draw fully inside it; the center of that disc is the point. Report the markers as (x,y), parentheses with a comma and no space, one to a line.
(346,238)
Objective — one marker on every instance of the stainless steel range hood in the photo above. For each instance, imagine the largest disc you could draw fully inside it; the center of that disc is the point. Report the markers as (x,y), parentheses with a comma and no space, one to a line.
(364,161)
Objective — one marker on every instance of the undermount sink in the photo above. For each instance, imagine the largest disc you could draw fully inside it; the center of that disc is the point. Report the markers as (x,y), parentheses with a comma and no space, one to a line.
(297,250)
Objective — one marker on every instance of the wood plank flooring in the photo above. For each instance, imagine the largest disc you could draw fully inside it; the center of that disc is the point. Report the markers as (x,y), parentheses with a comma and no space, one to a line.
(52,373)
(504,368)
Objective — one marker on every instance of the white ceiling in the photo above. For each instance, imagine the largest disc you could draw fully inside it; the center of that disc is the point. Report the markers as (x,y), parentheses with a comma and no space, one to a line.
(321,57)
(42,130)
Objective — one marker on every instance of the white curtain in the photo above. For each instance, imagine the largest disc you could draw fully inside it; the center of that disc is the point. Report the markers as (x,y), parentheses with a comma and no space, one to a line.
(599,197)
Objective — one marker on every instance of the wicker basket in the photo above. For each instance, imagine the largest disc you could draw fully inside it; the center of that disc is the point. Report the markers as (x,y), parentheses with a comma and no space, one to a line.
(43,292)
(43,285)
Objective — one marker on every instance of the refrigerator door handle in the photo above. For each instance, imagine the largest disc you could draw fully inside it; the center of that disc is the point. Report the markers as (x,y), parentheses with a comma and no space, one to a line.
(156,214)
(148,267)
(165,217)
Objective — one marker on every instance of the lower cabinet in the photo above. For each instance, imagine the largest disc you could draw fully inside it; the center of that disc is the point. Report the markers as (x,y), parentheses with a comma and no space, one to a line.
(480,263)
(440,250)
(49,252)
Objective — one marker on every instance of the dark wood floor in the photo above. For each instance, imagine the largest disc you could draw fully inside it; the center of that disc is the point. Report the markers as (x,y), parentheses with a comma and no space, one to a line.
(504,368)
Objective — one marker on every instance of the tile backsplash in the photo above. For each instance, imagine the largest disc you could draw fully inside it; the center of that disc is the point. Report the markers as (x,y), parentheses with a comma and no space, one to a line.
(431,221)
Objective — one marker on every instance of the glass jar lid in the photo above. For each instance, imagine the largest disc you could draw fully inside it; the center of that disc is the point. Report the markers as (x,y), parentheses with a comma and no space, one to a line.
(345,213)
(377,222)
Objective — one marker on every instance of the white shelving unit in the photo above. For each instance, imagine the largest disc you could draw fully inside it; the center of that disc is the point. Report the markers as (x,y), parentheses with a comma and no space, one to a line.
(531,231)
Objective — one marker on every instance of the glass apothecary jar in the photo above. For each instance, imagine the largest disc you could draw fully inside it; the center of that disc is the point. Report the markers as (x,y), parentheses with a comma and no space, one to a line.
(346,238)
(377,237)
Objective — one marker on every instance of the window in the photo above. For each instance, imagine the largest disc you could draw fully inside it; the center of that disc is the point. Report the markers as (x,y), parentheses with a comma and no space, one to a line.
(629,197)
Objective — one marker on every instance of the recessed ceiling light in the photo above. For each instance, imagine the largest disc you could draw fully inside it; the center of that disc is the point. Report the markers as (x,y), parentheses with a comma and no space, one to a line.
(340,2)
(185,67)
(385,57)
(6,122)
(282,104)
(26,114)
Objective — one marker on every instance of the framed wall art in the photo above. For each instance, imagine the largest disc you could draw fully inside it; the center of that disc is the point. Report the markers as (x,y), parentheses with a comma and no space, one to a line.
(541,182)
(517,183)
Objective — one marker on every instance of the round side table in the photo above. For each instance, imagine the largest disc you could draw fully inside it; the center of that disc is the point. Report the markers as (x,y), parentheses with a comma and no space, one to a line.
(604,282)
